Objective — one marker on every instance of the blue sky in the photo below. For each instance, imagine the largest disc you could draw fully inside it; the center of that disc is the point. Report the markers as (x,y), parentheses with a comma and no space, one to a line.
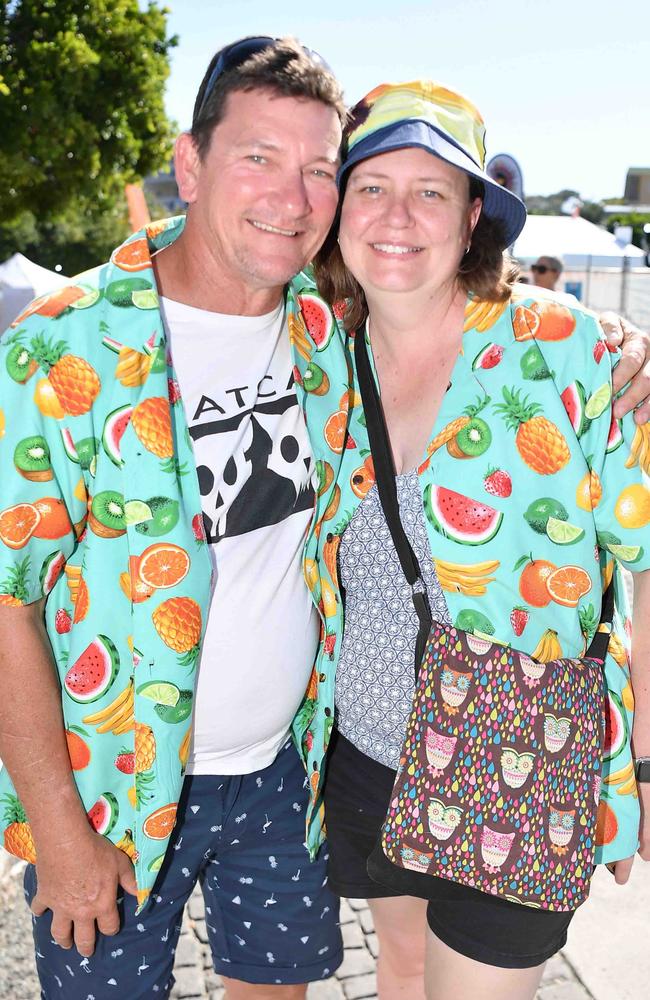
(563,85)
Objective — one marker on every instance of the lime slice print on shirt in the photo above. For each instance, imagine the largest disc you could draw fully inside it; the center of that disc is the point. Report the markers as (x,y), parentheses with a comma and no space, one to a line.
(626,553)
(598,401)
(146,299)
(86,301)
(176,713)
(137,511)
(162,692)
(563,533)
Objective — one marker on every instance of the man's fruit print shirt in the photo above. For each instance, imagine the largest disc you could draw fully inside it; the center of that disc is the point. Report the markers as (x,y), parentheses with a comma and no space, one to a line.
(531,493)
(100,513)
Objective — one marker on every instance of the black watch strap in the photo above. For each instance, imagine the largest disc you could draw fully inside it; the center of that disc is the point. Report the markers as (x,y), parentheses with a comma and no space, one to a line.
(642,769)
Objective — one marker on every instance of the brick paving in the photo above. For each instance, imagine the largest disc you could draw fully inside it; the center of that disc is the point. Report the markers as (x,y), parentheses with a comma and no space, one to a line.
(355,980)
(195,978)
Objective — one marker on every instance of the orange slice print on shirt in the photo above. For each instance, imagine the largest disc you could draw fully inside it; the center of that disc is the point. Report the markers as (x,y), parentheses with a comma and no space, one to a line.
(568,584)
(335,430)
(133,256)
(160,823)
(17,524)
(163,565)
(544,321)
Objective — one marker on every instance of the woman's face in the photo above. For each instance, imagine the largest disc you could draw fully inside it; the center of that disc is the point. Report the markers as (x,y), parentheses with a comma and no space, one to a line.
(406,220)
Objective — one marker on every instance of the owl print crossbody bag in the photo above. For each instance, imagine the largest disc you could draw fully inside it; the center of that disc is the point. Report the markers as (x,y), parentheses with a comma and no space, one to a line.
(499,776)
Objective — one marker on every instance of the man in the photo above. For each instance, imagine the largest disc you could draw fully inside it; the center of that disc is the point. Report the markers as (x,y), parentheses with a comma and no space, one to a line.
(124,623)
(546,272)
(97,441)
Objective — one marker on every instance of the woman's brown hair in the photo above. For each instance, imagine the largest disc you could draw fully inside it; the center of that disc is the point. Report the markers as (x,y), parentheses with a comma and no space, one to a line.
(487,271)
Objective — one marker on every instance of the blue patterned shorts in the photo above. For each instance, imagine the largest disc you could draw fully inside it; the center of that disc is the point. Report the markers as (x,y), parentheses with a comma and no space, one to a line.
(270,916)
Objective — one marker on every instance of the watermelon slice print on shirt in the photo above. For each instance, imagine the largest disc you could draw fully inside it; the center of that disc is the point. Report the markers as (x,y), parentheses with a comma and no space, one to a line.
(93,673)
(616,727)
(574,399)
(114,427)
(319,320)
(103,815)
(460,518)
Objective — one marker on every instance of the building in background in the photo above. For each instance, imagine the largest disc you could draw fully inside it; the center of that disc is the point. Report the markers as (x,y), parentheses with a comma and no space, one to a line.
(164,190)
(637,187)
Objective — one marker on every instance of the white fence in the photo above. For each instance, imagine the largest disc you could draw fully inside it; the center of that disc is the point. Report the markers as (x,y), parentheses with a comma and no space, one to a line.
(626,291)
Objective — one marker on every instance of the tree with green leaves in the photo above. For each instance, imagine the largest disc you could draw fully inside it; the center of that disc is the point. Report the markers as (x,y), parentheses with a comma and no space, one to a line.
(81,104)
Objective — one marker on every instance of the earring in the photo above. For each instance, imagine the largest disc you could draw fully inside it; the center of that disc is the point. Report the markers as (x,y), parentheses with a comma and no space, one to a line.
(468,248)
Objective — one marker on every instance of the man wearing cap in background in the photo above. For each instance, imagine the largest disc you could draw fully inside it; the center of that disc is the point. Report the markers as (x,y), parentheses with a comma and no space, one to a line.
(102,540)
(105,574)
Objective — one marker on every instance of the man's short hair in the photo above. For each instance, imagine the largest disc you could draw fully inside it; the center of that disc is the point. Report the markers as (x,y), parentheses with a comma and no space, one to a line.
(284,68)
(553,263)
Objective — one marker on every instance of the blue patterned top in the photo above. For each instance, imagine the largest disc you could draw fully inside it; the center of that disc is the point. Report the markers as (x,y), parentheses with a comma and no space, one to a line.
(375,676)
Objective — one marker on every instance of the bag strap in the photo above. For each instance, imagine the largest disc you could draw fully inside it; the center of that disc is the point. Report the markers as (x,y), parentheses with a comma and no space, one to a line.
(385,476)
(598,646)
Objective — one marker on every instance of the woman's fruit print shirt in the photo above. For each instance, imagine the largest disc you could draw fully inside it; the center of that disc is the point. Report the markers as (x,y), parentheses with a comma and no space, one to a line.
(531,492)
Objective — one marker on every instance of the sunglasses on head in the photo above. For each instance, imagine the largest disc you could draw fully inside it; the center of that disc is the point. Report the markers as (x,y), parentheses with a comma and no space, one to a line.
(542,268)
(237,53)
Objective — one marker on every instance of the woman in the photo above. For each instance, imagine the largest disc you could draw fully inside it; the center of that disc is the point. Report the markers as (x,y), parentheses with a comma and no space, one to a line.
(528,476)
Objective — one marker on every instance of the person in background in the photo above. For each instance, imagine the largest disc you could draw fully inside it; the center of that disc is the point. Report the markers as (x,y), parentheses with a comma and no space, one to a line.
(546,272)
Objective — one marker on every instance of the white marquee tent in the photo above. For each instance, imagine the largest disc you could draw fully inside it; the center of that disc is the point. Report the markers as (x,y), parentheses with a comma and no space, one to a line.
(576,241)
(21,280)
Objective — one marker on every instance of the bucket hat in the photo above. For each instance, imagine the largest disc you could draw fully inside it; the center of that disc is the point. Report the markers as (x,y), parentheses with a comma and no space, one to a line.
(425,114)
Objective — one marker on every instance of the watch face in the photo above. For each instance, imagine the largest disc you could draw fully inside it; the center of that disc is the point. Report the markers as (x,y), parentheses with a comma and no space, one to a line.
(643,769)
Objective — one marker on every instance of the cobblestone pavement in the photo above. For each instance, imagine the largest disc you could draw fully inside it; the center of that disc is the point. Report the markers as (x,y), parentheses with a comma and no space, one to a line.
(195,979)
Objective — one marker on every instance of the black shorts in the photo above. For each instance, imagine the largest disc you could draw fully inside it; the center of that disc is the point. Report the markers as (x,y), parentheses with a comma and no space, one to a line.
(483,927)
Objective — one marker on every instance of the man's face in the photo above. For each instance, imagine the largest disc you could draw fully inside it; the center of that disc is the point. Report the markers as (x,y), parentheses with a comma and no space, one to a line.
(545,273)
(264,196)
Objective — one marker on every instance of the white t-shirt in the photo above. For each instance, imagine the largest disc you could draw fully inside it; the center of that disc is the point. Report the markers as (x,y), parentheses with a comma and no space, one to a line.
(255,472)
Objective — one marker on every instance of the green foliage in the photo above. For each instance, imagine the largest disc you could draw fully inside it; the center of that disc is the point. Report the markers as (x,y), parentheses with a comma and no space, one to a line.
(80,236)
(635,219)
(551,204)
(81,103)
(593,211)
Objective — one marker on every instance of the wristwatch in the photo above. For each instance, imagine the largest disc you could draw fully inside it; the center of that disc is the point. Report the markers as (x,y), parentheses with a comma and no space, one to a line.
(642,769)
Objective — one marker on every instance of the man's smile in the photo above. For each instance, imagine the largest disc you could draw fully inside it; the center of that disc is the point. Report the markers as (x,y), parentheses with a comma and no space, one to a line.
(265,227)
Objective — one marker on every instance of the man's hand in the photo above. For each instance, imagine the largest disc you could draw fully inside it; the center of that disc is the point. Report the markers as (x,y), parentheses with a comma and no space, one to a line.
(621,869)
(634,365)
(78,882)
